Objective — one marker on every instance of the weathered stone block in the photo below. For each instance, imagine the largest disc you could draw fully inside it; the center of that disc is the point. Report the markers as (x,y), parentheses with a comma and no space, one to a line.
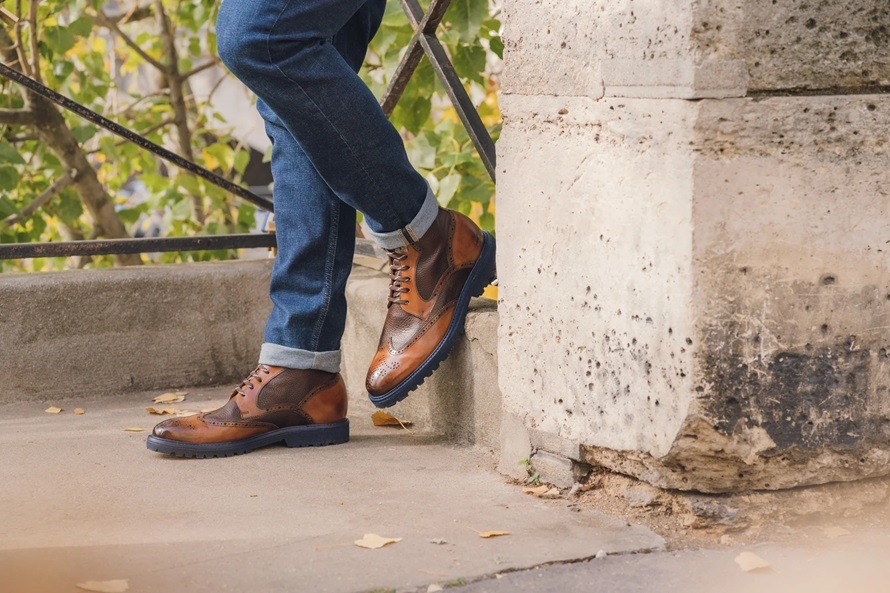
(712,48)
(713,281)
(554,469)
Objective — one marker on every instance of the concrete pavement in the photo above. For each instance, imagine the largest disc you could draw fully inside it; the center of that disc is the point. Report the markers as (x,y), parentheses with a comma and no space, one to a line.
(813,563)
(85,501)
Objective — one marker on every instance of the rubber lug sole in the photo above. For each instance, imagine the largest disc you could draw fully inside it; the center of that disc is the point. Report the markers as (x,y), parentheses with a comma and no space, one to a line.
(310,435)
(483,273)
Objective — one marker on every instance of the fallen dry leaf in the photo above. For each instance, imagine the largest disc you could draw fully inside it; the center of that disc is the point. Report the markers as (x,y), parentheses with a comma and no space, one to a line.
(372,541)
(833,532)
(53,410)
(382,418)
(133,429)
(488,534)
(537,491)
(171,398)
(161,411)
(749,561)
(115,586)
(79,411)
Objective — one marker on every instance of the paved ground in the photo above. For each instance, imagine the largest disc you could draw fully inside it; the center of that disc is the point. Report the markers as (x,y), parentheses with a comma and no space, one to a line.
(858,563)
(85,501)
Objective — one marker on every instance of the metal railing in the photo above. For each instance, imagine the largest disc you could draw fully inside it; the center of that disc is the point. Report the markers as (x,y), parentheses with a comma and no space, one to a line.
(423,43)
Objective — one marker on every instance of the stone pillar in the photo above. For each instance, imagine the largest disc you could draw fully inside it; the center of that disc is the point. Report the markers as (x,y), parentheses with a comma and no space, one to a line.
(694,240)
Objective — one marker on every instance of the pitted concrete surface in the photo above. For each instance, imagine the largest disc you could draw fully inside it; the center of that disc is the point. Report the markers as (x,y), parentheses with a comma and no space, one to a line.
(86,501)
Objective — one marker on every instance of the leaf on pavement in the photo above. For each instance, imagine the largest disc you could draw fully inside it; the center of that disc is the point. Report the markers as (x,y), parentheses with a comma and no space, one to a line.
(79,411)
(115,586)
(749,562)
(488,534)
(161,411)
(133,429)
(543,491)
(382,418)
(53,410)
(171,398)
(372,541)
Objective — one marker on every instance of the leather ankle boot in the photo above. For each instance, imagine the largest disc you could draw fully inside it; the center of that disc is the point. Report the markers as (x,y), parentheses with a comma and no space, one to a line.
(431,283)
(300,408)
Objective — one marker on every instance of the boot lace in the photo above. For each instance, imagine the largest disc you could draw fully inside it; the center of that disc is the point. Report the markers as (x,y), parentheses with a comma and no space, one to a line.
(254,374)
(396,267)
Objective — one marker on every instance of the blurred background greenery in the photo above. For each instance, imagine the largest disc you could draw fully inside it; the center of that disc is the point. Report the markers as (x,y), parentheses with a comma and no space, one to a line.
(151,66)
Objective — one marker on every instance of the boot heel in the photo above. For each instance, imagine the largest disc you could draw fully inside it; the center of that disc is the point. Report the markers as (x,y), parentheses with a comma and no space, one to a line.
(318,435)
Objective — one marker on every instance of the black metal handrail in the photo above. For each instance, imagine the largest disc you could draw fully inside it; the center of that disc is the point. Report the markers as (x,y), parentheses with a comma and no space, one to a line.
(423,42)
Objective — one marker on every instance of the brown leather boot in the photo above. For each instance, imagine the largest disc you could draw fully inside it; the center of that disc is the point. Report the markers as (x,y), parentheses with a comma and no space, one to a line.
(432,281)
(302,408)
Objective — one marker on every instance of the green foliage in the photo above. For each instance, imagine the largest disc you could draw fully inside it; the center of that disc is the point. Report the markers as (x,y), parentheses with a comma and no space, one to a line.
(83,59)
(86,61)
(437,143)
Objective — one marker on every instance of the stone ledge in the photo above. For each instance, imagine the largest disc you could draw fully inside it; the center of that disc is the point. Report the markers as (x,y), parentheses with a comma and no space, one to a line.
(115,331)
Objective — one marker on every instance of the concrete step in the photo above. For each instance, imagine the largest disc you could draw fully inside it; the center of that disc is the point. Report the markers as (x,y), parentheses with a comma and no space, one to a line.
(105,333)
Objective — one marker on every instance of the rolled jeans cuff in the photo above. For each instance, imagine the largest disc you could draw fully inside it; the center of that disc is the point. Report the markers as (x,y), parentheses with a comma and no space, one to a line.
(294,358)
(415,229)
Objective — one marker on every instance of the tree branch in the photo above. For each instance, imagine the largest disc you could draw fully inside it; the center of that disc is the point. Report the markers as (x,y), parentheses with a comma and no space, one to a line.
(16,117)
(42,200)
(106,21)
(213,62)
(35,51)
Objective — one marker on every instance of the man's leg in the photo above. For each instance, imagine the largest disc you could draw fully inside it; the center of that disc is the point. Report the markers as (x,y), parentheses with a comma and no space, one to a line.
(296,395)
(439,259)
(283,51)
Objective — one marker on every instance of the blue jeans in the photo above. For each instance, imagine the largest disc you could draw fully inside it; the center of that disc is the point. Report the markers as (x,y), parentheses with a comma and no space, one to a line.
(334,152)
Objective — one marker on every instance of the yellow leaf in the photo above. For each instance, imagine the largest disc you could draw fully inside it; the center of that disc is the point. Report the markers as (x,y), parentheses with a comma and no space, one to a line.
(133,429)
(171,398)
(372,541)
(53,410)
(381,418)
(488,534)
(79,411)
(537,491)
(210,161)
(749,561)
(161,411)
(116,586)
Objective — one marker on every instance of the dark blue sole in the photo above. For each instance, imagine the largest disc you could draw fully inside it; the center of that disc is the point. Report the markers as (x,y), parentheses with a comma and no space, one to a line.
(310,435)
(482,274)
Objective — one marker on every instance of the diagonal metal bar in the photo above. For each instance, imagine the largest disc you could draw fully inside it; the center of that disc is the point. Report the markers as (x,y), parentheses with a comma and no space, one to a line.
(433,17)
(402,76)
(466,111)
(422,24)
(425,42)
(115,128)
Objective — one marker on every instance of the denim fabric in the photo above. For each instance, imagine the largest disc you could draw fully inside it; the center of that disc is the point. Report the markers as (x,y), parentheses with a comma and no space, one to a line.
(333,152)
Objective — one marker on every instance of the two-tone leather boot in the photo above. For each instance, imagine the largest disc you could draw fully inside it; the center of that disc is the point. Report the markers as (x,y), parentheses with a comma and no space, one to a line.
(300,408)
(431,283)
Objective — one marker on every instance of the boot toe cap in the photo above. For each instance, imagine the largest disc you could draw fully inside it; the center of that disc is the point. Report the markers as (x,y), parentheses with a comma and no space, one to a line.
(383,376)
